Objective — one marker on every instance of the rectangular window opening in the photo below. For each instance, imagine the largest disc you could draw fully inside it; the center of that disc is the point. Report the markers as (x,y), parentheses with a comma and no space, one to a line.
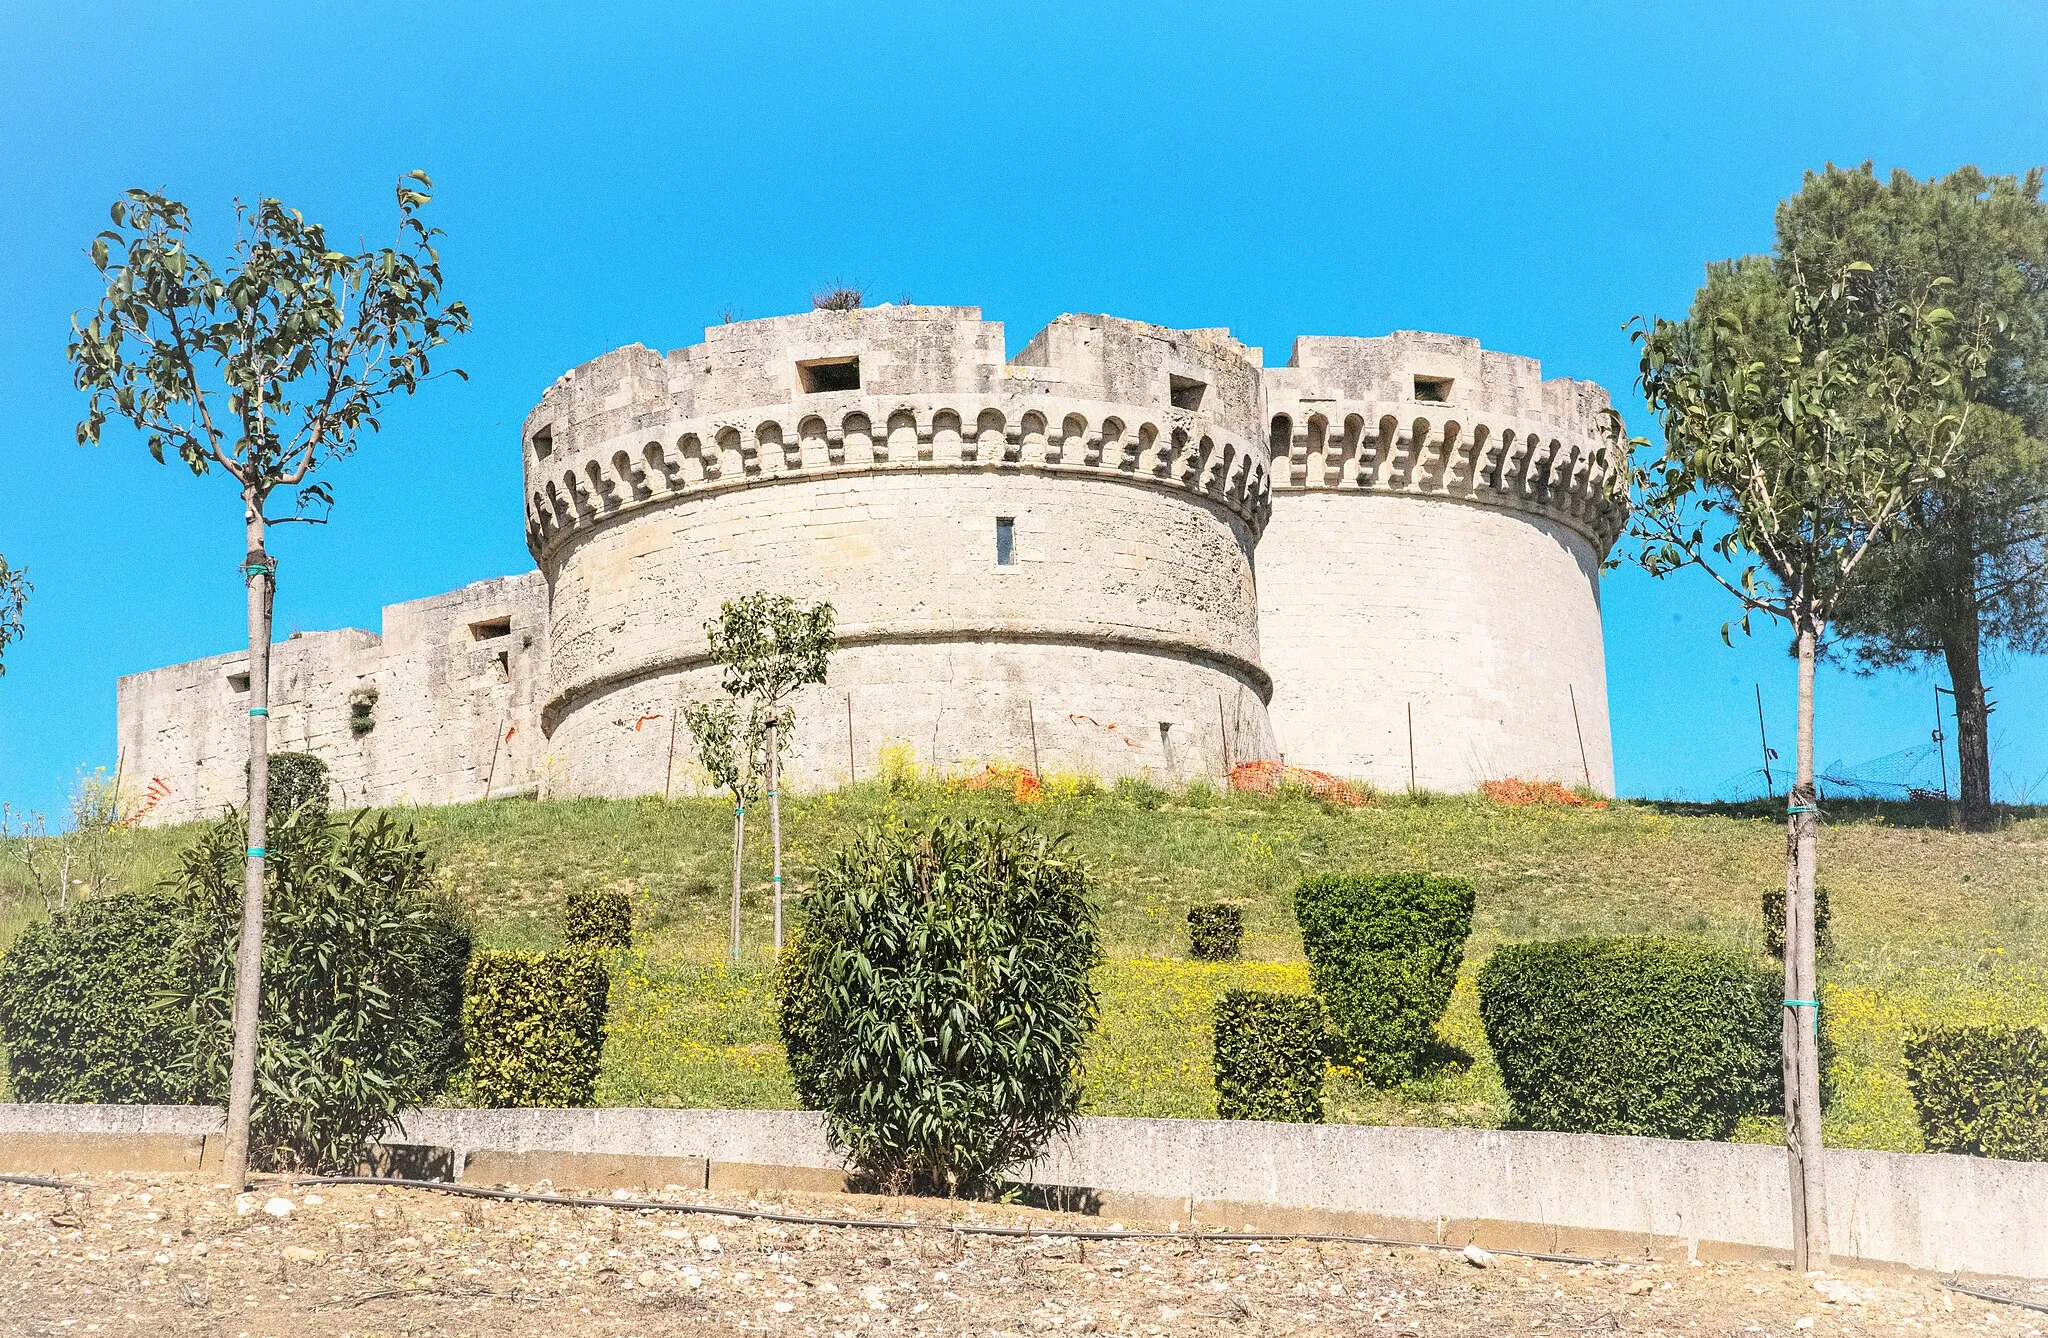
(1433,389)
(238,682)
(1006,541)
(504,661)
(491,628)
(1186,392)
(544,442)
(1166,743)
(828,374)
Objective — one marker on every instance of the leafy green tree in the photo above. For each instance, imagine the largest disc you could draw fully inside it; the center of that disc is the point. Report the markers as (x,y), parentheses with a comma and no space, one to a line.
(767,647)
(1799,416)
(1965,568)
(266,370)
(14,593)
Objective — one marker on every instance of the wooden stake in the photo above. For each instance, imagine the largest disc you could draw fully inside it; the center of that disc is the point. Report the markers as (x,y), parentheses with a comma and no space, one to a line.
(1223,732)
(1588,771)
(775,821)
(668,777)
(1032,716)
(1411,747)
(849,739)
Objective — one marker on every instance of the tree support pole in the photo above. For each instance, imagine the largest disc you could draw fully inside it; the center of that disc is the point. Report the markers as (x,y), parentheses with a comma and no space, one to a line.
(739,850)
(1801,1030)
(259,572)
(775,819)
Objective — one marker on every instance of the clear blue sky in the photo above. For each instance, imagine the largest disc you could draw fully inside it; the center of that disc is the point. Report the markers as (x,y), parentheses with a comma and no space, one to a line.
(609,174)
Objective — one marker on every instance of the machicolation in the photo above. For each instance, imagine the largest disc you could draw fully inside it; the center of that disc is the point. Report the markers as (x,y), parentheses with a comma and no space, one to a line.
(1127,550)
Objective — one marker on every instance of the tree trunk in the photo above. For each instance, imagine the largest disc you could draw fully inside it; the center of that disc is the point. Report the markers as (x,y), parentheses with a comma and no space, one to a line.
(1802,991)
(739,850)
(775,820)
(1959,645)
(260,575)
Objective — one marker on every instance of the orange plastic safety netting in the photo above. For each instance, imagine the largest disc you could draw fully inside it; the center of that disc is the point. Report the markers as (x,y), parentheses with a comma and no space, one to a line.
(1023,786)
(1520,793)
(1268,777)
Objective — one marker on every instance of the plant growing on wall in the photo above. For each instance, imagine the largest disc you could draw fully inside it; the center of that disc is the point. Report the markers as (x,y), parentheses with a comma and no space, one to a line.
(14,593)
(266,370)
(1799,415)
(767,646)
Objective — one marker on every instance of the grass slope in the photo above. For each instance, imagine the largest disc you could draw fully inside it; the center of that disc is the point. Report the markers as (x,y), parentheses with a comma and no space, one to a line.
(1927,924)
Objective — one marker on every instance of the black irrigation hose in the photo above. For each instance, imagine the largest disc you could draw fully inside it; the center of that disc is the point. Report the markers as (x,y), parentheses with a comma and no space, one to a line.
(884,1224)
(39,1181)
(1955,1286)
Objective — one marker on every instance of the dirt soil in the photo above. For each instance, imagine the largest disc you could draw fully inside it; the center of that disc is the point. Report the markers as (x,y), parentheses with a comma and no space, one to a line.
(174,1255)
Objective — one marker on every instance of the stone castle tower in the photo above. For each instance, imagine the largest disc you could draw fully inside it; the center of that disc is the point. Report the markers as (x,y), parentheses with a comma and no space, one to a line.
(1127,550)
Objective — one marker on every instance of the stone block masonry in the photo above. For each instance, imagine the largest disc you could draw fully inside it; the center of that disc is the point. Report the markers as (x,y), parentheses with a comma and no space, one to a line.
(1128,550)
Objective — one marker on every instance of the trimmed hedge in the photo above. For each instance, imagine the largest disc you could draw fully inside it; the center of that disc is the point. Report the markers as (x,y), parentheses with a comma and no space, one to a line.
(1663,1037)
(534,1024)
(297,779)
(935,1000)
(1269,1056)
(1215,932)
(1774,922)
(1383,956)
(598,920)
(82,1006)
(1981,1091)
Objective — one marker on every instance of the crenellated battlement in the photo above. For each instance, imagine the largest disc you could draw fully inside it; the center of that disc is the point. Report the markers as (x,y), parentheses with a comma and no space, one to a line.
(902,388)
(1436,415)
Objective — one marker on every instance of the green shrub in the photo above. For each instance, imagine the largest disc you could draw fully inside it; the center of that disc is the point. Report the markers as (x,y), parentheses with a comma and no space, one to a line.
(937,999)
(1270,1056)
(1383,955)
(1215,932)
(361,975)
(1981,1091)
(1774,922)
(1139,792)
(297,779)
(534,1023)
(83,1011)
(1664,1037)
(598,920)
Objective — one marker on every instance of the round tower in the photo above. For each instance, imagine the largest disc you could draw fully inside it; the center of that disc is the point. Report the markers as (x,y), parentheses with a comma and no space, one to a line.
(1429,590)
(1042,559)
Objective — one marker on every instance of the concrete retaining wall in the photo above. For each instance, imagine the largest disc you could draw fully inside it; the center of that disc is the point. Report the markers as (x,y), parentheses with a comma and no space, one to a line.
(1564,1192)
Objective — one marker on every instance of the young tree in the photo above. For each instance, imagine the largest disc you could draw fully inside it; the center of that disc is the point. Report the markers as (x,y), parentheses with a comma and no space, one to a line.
(267,371)
(1799,415)
(730,749)
(769,646)
(14,593)
(1966,565)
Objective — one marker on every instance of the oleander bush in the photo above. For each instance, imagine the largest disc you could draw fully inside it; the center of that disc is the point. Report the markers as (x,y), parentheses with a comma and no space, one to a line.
(1270,1056)
(1981,1091)
(1215,932)
(1383,954)
(83,1009)
(598,919)
(534,1024)
(361,980)
(935,999)
(1663,1037)
(1774,922)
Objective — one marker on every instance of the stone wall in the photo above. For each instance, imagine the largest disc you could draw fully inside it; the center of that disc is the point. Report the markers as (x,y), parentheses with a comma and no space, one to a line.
(1430,583)
(1383,528)
(452,676)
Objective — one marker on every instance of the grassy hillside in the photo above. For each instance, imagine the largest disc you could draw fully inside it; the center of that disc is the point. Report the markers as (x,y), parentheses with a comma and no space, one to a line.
(1928,924)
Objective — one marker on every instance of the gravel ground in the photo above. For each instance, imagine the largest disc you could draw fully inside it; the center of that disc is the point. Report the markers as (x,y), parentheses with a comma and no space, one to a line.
(173,1255)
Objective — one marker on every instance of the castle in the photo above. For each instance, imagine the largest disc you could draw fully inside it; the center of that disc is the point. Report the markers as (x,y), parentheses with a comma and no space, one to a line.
(1128,550)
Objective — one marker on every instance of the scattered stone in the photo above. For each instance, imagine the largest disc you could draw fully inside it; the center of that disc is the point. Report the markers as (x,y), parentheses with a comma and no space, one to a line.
(1477,1257)
(279,1207)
